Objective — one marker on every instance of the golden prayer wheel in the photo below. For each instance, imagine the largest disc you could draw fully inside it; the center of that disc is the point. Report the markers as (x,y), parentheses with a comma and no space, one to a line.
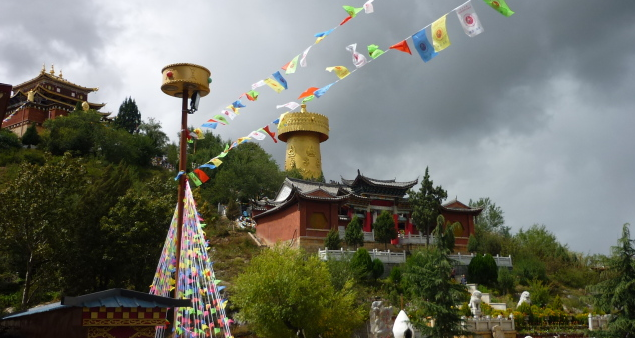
(303,132)
(179,76)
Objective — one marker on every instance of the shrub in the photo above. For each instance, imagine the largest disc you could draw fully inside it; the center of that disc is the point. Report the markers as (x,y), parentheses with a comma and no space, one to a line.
(361,263)
(332,240)
(378,268)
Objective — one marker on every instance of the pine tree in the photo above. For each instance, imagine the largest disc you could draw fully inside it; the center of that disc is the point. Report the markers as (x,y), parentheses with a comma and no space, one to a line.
(332,240)
(385,228)
(31,137)
(425,204)
(354,236)
(129,117)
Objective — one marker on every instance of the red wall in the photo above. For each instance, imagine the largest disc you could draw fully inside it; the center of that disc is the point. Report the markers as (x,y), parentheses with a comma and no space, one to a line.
(279,226)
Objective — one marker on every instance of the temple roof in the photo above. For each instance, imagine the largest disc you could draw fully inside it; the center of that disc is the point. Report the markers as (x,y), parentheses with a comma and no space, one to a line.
(52,77)
(309,188)
(375,182)
(456,206)
(294,195)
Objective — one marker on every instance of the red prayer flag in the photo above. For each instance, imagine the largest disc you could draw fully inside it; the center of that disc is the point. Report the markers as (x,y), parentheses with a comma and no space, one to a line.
(201,175)
(346,20)
(272,134)
(308,92)
(402,46)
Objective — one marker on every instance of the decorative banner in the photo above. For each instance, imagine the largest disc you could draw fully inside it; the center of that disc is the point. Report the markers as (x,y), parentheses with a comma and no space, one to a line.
(469,20)
(340,71)
(358,59)
(500,6)
(196,278)
(440,39)
(423,46)
(402,47)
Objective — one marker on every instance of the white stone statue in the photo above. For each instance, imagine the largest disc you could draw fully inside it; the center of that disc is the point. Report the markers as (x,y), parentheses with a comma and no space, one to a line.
(475,303)
(497,332)
(380,320)
(524,298)
(402,327)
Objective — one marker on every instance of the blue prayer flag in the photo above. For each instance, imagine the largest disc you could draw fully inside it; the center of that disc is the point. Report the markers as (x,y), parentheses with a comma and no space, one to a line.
(318,93)
(280,79)
(207,165)
(325,33)
(238,104)
(210,125)
(276,121)
(423,46)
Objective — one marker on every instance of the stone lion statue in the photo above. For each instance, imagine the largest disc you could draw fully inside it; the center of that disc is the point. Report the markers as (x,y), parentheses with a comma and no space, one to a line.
(475,303)
(524,298)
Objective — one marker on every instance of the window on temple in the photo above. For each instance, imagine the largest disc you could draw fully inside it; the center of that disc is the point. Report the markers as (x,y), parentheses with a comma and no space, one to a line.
(318,221)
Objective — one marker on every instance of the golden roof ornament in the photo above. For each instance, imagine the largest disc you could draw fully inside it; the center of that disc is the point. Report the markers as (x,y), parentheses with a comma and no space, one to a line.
(60,76)
(52,69)
(43,69)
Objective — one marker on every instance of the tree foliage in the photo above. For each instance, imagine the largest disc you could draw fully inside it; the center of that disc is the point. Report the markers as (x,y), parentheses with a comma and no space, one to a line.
(332,240)
(483,270)
(31,136)
(286,293)
(616,294)
(129,117)
(384,228)
(75,133)
(362,263)
(354,236)
(9,140)
(425,204)
(491,218)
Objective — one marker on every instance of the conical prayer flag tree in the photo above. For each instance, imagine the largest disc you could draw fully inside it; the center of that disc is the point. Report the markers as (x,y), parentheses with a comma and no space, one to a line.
(196,280)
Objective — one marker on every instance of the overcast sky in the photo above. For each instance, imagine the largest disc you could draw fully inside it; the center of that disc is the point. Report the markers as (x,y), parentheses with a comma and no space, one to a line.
(535,113)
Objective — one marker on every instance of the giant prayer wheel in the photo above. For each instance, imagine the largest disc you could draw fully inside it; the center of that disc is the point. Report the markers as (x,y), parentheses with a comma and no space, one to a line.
(303,132)
(179,76)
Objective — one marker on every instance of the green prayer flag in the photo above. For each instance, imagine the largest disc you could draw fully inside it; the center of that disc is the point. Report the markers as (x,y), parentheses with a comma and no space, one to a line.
(374,51)
(352,11)
(308,98)
(500,6)
(194,179)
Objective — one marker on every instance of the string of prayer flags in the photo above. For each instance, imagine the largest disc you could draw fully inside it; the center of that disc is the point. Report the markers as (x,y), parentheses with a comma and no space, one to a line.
(252,95)
(368,7)
(423,46)
(291,105)
(469,20)
(304,54)
(440,39)
(359,60)
(308,92)
(194,179)
(500,6)
(402,47)
(352,11)
(270,133)
(340,71)
(275,85)
(278,77)
(290,67)
(374,51)
(318,93)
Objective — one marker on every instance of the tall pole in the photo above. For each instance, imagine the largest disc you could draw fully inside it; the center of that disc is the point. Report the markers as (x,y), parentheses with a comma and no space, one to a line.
(181,195)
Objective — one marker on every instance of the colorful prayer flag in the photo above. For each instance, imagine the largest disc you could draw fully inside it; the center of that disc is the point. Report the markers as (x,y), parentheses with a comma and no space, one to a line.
(291,105)
(280,79)
(199,134)
(402,47)
(229,114)
(291,66)
(318,93)
(358,59)
(257,135)
(308,92)
(216,162)
(346,20)
(423,46)
(221,119)
(210,125)
(374,51)
(201,175)
(275,85)
(308,98)
(243,139)
(340,71)
(352,11)
(469,20)
(440,39)
(258,84)
(194,178)
(304,54)
(252,95)
(271,133)
(238,104)
(207,165)
(320,36)
(500,6)
(368,7)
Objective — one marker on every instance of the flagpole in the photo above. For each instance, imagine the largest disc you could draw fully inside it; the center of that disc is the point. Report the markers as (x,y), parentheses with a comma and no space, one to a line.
(185,81)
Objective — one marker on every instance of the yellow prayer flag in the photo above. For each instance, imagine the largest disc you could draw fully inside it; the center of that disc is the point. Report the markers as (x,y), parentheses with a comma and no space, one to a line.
(340,71)
(216,162)
(275,85)
(440,39)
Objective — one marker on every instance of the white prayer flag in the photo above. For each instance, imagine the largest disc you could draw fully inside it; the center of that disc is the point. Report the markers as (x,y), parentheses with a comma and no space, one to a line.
(358,59)
(469,19)
(368,7)
(257,135)
(229,114)
(291,105)
(303,60)
(258,84)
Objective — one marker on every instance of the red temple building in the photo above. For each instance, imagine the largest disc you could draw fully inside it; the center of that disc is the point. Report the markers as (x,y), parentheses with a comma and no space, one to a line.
(303,212)
(44,97)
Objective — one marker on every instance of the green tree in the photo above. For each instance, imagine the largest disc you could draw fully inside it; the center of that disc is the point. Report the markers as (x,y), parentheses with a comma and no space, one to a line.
(332,240)
(425,204)
(616,294)
(378,268)
(159,140)
(491,218)
(75,133)
(384,228)
(233,211)
(354,236)
(483,270)
(286,293)
(9,140)
(129,117)
(506,281)
(472,244)
(361,263)
(31,136)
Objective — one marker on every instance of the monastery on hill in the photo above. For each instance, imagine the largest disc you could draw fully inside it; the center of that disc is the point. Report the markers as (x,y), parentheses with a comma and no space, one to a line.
(304,211)
(44,97)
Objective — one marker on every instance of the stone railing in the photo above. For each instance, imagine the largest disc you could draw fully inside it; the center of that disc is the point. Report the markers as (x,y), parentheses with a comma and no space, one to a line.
(486,323)
(414,239)
(466,259)
(384,256)
(598,322)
